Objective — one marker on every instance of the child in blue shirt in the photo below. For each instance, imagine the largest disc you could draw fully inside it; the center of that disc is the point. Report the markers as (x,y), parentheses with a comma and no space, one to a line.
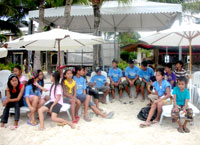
(145,73)
(115,75)
(162,92)
(181,97)
(84,98)
(132,77)
(99,83)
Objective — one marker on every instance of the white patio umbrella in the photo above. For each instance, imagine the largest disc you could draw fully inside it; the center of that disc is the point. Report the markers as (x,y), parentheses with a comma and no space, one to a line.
(3,52)
(184,35)
(55,40)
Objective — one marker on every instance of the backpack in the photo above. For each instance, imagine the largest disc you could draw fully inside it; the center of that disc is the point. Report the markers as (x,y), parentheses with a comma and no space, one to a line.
(143,114)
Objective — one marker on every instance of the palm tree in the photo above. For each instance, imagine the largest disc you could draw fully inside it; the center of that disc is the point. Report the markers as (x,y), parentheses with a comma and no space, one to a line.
(96,4)
(37,56)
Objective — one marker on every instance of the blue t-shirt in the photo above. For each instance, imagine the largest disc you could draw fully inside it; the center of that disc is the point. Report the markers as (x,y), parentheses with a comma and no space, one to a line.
(161,89)
(147,74)
(181,96)
(99,79)
(131,72)
(80,84)
(115,74)
(29,91)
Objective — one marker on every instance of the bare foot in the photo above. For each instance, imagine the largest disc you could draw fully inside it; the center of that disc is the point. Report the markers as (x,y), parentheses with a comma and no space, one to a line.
(72,125)
(41,128)
(3,125)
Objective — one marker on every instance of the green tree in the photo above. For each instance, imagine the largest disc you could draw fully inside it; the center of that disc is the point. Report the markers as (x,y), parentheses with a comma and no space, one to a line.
(96,4)
(190,6)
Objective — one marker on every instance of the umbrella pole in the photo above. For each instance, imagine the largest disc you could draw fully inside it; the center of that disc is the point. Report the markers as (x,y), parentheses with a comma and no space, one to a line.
(59,54)
(190,53)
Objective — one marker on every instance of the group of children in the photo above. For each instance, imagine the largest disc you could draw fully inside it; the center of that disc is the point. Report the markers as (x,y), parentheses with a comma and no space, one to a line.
(71,86)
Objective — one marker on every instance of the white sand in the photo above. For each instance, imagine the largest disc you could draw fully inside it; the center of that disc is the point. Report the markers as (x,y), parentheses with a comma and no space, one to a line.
(123,129)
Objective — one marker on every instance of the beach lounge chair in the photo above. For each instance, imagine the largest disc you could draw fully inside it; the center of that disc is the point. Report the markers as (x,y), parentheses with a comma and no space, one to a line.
(166,111)
(101,93)
(3,81)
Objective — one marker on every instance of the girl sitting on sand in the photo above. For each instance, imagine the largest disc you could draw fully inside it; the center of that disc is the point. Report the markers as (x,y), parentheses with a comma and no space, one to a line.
(158,98)
(55,103)
(84,98)
(181,97)
(15,92)
(32,97)
(69,90)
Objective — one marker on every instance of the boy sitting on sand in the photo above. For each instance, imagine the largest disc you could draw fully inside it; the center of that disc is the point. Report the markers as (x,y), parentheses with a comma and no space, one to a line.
(181,97)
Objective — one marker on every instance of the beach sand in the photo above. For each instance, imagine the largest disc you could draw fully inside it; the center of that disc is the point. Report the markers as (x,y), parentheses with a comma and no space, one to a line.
(123,129)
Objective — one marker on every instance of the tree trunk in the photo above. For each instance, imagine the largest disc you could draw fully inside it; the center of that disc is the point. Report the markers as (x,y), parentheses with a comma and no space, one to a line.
(37,61)
(97,32)
(65,26)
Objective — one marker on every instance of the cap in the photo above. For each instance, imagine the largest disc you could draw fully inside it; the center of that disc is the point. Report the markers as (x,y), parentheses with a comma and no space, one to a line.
(61,67)
(131,61)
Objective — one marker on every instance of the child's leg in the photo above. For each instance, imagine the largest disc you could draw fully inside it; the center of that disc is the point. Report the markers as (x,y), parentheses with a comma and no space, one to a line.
(105,94)
(120,94)
(34,104)
(96,101)
(113,93)
(5,115)
(159,110)
(78,104)
(55,118)
(151,112)
(41,116)
(86,104)
(137,90)
(97,111)
(41,103)
(17,113)
(127,90)
(142,92)
(72,102)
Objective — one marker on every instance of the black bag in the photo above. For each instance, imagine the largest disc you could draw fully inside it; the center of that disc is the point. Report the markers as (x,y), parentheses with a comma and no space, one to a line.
(143,114)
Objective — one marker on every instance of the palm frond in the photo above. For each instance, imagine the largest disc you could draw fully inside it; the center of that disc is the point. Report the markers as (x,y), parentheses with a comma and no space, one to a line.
(6,25)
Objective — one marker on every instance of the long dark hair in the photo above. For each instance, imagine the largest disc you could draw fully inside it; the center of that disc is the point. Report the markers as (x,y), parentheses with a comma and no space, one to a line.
(161,71)
(42,81)
(10,86)
(31,80)
(64,78)
(56,76)
(77,68)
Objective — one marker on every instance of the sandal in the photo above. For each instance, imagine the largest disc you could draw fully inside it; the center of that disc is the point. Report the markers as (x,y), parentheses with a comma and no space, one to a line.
(131,102)
(13,127)
(61,124)
(75,121)
(32,123)
(87,119)
(143,125)
(180,130)
(186,130)
(77,118)
(154,122)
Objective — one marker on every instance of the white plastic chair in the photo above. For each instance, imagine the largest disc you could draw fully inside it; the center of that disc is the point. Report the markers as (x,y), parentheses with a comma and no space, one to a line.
(106,76)
(196,79)
(4,74)
(65,107)
(166,111)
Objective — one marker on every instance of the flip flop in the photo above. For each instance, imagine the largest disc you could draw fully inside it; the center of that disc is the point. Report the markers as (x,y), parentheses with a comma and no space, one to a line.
(61,124)
(154,122)
(131,102)
(77,118)
(186,130)
(180,130)
(75,121)
(13,127)
(87,119)
(109,115)
(32,124)
(143,125)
